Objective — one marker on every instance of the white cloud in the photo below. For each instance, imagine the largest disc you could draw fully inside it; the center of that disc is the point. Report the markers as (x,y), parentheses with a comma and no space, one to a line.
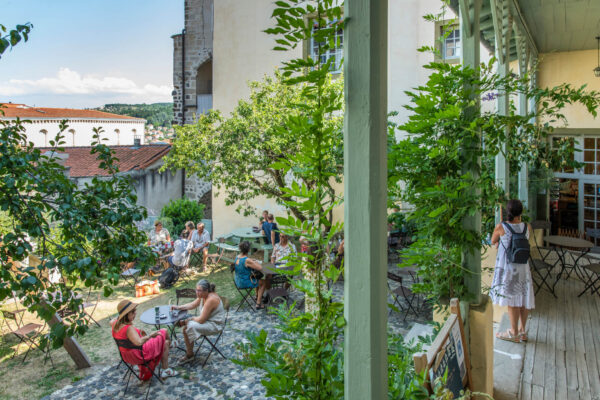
(68,82)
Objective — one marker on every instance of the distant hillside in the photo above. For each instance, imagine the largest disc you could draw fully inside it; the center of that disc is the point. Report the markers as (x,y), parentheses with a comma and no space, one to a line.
(157,114)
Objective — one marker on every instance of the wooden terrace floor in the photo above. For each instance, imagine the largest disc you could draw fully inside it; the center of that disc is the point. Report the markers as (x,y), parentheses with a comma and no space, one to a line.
(562,357)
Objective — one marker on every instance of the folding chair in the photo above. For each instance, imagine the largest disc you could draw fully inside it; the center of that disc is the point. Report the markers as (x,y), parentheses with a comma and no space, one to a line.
(590,274)
(130,275)
(127,344)
(28,334)
(246,293)
(539,264)
(185,271)
(404,292)
(185,294)
(87,304)
(593,235)
(213,345)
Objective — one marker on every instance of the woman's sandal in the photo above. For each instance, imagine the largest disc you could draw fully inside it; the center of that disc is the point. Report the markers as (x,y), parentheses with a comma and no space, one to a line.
(168,373)
(506,335)
(260,306)
(523,336)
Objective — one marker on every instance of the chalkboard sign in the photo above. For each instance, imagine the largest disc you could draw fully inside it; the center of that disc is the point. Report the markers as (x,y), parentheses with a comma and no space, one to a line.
(448,353)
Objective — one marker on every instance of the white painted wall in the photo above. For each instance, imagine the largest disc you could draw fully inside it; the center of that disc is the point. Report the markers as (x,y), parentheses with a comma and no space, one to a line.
(118,132)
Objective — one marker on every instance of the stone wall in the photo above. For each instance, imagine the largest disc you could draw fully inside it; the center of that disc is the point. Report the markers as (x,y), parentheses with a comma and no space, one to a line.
(198,189)
(198,42)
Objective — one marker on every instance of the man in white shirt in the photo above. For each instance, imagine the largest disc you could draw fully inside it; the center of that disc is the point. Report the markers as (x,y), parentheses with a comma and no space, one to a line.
(182,248)
(201,240)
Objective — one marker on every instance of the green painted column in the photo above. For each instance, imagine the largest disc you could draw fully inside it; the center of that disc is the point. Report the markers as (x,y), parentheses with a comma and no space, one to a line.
(502,165)
(524,170)
(365,189)
(470,39)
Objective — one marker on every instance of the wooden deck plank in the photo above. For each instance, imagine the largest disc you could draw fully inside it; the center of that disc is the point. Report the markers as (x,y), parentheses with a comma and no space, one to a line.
(569,336)
(525,392)
(594,312)
(530,347)
(589,336)
(561,374)
(537,392)
(540,356)
(583,382)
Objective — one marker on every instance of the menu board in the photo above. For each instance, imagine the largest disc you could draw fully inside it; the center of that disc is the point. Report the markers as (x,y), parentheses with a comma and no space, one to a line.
(448,354)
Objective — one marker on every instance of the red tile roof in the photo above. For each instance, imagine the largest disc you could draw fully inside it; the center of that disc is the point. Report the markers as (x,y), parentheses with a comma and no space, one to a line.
(84,164)
(24,111)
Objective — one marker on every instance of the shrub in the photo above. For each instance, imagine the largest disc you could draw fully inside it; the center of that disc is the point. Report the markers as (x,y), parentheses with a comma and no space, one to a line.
(180,211)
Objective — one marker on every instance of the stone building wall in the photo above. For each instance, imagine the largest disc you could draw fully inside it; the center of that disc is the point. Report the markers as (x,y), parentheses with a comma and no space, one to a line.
(200,191)
(197,72)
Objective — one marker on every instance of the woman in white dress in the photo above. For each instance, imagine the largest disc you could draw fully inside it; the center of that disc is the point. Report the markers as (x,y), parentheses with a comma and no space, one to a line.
(512,285)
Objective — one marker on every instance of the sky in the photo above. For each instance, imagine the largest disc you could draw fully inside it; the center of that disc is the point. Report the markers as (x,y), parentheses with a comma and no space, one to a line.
(87,53)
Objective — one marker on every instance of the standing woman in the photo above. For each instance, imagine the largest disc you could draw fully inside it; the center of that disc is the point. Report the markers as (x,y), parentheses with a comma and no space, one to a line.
(512,285)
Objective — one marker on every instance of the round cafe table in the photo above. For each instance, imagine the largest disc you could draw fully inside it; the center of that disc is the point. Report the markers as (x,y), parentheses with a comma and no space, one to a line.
(561,245)
(149,317)
(254,238)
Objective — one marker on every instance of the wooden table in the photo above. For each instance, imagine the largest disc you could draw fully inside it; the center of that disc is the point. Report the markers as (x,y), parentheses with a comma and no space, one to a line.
(561,245)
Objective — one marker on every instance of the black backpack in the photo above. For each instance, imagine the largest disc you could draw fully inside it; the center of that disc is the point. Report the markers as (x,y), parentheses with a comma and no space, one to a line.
(518,250)
(168,278)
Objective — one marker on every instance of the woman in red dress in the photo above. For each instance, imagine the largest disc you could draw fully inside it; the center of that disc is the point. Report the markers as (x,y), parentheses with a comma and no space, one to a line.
(154,345)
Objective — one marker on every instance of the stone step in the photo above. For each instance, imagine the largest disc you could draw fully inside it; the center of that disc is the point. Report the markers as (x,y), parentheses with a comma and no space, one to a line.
(508,365)
(416,331)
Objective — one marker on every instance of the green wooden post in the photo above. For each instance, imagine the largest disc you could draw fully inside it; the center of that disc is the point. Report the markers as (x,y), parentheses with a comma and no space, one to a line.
(470,39)
(365,188)
(523,58)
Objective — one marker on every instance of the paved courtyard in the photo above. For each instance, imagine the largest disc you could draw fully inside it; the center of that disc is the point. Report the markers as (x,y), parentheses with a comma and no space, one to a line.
(219,380)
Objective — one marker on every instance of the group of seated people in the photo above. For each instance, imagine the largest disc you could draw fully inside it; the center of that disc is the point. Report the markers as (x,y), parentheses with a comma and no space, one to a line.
(193,239)
(155,346)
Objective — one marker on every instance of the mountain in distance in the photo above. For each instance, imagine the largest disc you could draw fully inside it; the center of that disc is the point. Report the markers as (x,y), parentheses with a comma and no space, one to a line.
(157,114)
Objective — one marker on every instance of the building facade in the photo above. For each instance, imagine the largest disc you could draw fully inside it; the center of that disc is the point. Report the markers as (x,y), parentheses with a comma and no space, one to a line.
(43,124)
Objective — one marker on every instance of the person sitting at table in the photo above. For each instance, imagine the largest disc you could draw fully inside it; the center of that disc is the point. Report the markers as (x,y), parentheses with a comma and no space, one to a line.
(282,250)
(263,218)
(158,235)
(211,319)
(189,227)
(155,346)
(182,248)
(201,240)
(512,285)
(271,230)
(246,270)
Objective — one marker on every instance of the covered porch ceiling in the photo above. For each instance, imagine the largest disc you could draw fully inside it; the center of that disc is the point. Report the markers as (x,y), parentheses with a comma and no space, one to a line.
(543,26)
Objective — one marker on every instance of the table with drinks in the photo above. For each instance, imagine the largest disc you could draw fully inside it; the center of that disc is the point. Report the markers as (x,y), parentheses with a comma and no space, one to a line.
(164,315)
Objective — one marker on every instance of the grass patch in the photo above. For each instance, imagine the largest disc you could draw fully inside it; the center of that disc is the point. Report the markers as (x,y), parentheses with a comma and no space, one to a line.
(48,383)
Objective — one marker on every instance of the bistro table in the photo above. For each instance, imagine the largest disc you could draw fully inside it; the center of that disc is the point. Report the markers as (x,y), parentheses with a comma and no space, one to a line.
(149,317)
(561,245)
(254,238)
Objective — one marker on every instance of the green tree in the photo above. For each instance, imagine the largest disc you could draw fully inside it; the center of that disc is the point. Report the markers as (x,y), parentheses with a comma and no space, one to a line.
(181,211)
(84,233)
(442,139)
(249,154)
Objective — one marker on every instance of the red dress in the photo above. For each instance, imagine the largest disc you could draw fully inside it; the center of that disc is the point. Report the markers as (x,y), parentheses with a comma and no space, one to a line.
(153,350)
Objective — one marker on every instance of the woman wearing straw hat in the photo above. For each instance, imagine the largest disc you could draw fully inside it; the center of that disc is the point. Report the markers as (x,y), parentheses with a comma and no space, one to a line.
(154,345)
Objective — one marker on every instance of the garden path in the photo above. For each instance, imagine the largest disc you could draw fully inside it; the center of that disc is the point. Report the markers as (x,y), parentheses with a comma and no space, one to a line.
(219,380)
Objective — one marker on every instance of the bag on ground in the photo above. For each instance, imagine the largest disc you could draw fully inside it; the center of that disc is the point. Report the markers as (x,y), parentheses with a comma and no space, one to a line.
(168,278)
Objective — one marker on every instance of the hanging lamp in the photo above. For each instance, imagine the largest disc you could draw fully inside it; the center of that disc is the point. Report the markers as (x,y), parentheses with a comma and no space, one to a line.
(597,69)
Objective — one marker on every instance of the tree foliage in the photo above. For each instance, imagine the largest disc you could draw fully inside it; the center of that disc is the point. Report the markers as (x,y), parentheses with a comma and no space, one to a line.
(85,234)
(181,211)
(439,160)
(10,38)
(157,114)
(261,148)
(307,363)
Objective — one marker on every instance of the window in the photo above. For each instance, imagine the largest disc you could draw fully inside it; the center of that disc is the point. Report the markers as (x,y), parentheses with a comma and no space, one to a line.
(118,134)
(45,133)
(72,132)
(451,44)
(336,52)
(591,156)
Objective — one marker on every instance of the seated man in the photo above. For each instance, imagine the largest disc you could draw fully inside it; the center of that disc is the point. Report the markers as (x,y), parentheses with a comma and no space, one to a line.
(211,319)
(182,248)
(201,240)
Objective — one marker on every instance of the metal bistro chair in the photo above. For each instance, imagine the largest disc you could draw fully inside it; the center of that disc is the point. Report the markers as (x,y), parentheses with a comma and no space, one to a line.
(246,293)
(186,294)
(539,264)
(28,334)
(206,338)
(127,344)
(404,292)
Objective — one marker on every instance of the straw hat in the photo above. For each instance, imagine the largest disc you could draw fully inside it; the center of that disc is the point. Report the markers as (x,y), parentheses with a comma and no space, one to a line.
(125,307)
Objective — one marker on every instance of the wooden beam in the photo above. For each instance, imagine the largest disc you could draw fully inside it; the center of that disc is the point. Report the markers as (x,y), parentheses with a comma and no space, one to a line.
(522,24)
(497,20)
(466,22)
(365,198)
